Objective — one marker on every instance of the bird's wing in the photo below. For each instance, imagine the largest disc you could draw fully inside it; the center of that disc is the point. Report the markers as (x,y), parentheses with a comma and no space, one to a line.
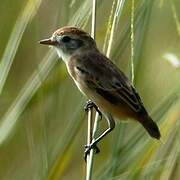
(108,81)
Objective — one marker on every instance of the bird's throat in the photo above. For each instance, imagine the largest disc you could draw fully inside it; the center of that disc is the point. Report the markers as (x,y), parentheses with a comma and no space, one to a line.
(65,57)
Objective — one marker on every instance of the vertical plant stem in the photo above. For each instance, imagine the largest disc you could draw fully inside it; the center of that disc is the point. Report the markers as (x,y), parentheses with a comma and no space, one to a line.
(175,18)
(93,26)
(119,5)
(90,157)
(90,120)
(132,42)
(111,34)
(91,136)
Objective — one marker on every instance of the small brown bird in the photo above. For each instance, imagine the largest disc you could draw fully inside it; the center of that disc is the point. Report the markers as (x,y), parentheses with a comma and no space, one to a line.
(100,80)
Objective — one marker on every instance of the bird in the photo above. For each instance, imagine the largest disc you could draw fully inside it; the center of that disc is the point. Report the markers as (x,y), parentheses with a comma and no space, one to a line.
(100,80)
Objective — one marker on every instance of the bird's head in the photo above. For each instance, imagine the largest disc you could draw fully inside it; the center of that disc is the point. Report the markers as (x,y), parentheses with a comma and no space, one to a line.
(70,40)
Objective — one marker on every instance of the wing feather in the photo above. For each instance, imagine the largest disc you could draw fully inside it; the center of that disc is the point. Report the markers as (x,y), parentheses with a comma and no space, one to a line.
(108,81)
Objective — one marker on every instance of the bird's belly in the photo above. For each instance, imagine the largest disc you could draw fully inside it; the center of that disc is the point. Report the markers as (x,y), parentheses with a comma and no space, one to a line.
(118,111)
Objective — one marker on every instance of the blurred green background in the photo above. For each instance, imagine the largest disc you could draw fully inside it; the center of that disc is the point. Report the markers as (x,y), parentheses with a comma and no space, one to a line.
(42,122)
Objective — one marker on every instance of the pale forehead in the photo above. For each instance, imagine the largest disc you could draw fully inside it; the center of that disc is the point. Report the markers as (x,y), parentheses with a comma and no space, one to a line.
(70,30)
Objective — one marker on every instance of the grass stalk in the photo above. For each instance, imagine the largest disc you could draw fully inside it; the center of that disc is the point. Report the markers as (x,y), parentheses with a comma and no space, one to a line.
(132,42)
(117,14)
(174,12)
(91,136)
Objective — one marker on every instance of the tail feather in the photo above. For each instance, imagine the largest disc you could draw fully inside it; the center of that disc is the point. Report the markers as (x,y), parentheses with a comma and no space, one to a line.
(151,127)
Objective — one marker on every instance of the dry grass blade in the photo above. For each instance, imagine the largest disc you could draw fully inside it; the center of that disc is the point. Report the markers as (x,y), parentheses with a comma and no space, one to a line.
(112,25)
(10,118)
(44,117)
(175,16)
(132,42)
(15,38)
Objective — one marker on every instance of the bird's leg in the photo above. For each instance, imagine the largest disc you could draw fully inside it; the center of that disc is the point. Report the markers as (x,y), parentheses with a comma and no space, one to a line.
(90,104)
(111,125)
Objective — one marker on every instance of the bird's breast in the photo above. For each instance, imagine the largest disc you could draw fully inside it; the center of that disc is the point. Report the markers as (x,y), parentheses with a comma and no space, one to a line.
(78,78)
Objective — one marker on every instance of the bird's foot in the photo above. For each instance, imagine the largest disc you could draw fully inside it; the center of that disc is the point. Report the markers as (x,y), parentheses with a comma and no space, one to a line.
(90,104)
(88,149)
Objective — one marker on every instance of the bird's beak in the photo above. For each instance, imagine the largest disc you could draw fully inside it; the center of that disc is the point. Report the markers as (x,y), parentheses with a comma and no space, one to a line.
(48,42)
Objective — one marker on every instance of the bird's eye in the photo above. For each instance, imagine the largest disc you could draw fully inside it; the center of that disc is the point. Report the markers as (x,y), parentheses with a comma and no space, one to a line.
(66,39)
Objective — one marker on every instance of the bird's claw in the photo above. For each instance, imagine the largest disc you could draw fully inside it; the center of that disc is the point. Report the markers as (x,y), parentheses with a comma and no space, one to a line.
(88,149)
(90,104)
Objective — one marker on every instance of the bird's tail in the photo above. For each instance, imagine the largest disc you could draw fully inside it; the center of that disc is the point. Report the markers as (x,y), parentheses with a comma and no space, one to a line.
(151,127)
